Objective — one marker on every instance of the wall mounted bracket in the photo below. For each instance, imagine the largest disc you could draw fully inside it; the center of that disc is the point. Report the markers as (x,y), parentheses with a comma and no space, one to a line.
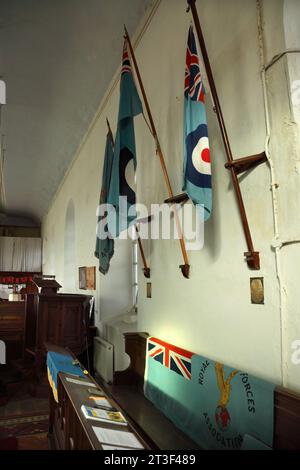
(234,166)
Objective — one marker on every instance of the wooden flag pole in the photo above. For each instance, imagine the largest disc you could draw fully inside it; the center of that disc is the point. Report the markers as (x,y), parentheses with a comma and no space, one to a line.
(146,269)
(185,268)
(232,165)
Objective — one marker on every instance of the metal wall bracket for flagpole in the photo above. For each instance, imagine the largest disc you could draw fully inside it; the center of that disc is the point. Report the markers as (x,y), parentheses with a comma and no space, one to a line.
(185,268)
(234,166)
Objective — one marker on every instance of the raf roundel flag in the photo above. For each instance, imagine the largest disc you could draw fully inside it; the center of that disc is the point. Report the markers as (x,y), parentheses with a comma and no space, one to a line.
(124,161)
(197,165)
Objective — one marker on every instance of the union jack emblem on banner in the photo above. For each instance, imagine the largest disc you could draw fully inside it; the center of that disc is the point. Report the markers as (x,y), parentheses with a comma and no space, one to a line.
(193,85)
(126,65)
(176,359)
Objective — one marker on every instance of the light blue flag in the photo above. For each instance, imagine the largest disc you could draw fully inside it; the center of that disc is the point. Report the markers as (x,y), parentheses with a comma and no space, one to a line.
(213,404)
(196,166)
(124,152)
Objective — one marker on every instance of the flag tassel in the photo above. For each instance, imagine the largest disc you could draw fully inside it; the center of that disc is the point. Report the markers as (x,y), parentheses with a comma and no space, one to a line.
(185,268)
(252,256)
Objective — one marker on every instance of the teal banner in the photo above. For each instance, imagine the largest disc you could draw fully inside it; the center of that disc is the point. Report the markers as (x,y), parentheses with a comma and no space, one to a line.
(216,405)
(121,194)
(104,250)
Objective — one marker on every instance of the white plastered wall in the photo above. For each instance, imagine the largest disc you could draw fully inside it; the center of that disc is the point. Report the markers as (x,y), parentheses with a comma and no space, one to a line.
(210,314)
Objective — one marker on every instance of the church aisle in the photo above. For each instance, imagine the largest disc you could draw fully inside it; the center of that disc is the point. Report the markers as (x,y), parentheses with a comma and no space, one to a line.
(24,422)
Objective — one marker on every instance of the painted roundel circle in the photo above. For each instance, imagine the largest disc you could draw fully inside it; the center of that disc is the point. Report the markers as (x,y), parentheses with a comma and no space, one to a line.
(201,156)
(130,174)
(127,175)
(198,168)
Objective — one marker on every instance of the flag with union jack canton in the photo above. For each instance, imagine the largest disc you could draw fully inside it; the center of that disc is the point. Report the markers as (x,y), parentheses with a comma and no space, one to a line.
(168,379)
(214,404)
(121,192)
(176,359)
(197,164)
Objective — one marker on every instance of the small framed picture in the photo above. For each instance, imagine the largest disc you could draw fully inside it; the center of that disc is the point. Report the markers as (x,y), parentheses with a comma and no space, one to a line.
(91,278)
(82,277)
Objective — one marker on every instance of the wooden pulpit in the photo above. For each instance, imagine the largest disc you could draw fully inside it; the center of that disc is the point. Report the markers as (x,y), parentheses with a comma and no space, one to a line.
(65,320)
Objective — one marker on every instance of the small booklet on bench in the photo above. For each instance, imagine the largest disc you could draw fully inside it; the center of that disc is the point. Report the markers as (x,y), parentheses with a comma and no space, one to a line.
(101,402)
(109,417)
(119,439)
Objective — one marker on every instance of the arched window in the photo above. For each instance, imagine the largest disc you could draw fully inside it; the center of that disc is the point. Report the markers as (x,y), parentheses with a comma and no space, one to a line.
(69,250)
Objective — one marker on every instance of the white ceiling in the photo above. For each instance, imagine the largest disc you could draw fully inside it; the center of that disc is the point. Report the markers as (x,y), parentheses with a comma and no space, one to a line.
(57,58)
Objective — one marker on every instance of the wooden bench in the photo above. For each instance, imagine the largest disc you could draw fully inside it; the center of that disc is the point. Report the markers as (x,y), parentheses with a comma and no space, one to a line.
(68,428)
(159,432)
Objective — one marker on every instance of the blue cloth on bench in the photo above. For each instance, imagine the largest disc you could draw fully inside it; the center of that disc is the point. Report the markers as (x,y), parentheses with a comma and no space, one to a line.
(213,404)
(60,363)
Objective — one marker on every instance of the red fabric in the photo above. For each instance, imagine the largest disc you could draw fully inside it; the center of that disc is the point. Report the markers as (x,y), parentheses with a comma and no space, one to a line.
(15,280)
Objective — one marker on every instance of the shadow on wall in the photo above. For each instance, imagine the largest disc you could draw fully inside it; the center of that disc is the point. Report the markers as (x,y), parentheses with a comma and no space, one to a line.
(69,249)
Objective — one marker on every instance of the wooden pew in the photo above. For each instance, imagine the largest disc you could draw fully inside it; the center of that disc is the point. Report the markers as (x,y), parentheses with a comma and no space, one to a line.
(160,433)
(12,318)
(127,390)
(68,429)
